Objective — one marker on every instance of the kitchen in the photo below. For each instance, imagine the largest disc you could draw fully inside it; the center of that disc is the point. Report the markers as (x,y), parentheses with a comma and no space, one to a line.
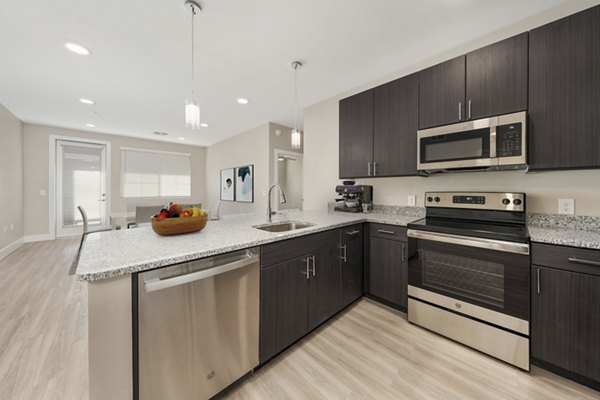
(467,266)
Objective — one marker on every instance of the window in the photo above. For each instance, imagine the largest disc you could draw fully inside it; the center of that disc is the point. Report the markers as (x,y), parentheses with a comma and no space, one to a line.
(147,173)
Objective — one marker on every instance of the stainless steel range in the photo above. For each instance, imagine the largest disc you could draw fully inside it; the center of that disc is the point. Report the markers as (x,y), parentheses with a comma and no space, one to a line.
(468,274)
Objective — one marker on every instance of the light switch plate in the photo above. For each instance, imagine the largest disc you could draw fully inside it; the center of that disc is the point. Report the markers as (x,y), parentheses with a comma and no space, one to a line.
(412,200)
(566,206)
(42,192)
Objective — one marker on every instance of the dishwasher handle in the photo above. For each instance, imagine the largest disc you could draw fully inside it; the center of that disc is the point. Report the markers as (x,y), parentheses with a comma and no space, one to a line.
(155,284)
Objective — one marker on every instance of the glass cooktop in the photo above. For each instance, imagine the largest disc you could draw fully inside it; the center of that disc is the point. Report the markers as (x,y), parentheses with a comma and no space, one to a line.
(487,230)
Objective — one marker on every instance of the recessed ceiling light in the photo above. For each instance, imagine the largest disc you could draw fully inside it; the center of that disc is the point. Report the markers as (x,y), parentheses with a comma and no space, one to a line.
(181,138)
(204,125)
(87,101)
(242,100)
(77,49)
(90,125)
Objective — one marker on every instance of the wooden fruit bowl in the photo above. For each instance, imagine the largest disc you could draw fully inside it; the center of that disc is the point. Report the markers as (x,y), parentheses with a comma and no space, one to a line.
(178,226)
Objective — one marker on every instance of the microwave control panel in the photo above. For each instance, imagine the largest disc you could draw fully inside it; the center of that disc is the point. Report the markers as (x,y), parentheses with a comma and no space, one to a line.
(509,140)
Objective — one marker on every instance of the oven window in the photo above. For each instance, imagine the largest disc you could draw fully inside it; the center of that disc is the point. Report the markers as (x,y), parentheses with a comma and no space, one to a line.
(475,279)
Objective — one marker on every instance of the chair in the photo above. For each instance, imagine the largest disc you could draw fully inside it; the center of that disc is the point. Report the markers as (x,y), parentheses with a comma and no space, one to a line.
(86,231)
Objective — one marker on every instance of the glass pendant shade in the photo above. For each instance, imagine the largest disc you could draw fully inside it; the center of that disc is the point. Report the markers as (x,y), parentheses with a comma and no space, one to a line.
(296,139)
(192,114)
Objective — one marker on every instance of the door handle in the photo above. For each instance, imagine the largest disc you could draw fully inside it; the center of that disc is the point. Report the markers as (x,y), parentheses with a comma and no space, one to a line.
(386,232)
(314,265)
(469,110)
(374,168)
(344,247)
(307,272)
(539,289)
(352,233)
(460,111)
(368,169)
(584,262)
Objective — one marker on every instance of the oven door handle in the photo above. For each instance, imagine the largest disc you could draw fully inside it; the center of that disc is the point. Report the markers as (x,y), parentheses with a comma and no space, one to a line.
(490,244)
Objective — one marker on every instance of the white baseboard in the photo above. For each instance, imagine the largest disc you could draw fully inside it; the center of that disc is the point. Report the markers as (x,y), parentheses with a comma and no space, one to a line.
(38,238)
(10,248)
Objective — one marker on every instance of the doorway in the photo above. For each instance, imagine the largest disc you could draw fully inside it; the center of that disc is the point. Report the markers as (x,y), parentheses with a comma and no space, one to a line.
(287,172)
(82,179)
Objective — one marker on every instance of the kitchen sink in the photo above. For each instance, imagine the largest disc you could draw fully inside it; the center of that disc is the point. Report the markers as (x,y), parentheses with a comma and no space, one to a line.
(284,226)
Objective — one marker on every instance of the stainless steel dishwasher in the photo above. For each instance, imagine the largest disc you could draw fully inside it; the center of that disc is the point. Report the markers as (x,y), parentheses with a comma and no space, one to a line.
(197,326)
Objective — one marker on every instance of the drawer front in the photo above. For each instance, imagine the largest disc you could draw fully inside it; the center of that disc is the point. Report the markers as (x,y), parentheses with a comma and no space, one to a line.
(568,258)
(385,231)
(351,233)
(277,252)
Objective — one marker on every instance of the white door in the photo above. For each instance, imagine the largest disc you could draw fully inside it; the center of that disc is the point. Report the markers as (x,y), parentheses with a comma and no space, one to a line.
(81,180)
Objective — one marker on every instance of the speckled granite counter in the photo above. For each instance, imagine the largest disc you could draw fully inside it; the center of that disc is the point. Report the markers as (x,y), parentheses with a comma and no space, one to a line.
(110,254)
(566,230)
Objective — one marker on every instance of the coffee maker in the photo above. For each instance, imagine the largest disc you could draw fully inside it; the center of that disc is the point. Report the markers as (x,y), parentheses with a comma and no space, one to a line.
(354,198)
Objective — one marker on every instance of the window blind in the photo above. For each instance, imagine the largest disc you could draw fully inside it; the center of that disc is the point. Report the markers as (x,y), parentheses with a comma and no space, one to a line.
(154,174)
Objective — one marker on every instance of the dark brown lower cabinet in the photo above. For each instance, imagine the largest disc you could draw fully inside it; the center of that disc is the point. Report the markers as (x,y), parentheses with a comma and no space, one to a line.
(352,264)
(324,286)
(388,270)
(565,325)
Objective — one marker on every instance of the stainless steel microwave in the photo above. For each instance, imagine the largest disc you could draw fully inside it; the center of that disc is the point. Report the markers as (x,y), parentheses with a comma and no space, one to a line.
(484,144)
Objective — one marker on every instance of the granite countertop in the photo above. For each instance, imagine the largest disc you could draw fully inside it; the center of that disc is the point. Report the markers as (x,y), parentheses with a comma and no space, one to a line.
(565,230)
(110,254)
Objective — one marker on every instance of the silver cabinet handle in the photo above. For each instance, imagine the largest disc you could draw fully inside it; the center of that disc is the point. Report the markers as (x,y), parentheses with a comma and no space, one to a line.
(538,280)
(460,111)
(307,272)
(158,284)
(344,257)
(368,169)
(386,232)
(374,168)
(469,110)
(352,233)
(584,262)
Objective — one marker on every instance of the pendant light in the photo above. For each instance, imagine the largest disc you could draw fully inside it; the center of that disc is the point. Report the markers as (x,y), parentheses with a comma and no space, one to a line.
(192,110)
(296,135)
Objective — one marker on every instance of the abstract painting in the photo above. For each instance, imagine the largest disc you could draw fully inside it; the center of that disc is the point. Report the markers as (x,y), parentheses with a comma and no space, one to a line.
(244,184)
(227,184)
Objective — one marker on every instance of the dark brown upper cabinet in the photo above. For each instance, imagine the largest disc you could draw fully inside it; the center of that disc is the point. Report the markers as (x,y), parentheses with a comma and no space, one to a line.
(564,93)
(486,82)
(442,93)
(356,135)
(497,78)
(395,127)
(378,130)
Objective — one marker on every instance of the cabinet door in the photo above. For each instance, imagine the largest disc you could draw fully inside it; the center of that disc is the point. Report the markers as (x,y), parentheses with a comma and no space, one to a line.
(564,93)
(497,78)
(565,320)
(396,120)
(442,93)
(352,265)
(388,271)
(324,286)
(268,314)
(356,135)
(292,308)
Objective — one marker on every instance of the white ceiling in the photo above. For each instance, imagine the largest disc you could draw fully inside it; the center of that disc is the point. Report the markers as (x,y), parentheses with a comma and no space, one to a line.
(139,69)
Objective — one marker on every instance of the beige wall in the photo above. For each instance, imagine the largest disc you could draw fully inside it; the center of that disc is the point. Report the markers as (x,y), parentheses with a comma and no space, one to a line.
(321,126)
(36,177)
(250,147)
(11,178)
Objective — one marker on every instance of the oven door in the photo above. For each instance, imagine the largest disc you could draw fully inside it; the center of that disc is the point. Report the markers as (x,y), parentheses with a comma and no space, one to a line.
(484,274)
(469,144)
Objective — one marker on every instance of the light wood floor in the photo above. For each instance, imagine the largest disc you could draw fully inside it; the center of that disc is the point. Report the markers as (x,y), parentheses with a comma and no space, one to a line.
(368,352)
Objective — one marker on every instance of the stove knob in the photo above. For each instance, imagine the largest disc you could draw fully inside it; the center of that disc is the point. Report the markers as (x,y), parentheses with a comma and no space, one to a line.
(437,199)
(517,202)
(506,201)
(429,199)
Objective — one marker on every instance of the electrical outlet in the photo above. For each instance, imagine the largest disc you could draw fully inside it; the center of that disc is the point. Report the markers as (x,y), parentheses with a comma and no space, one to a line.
(566,206)
(412,200)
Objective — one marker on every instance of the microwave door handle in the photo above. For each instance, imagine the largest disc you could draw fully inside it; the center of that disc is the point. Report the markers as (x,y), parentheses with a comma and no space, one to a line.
(493,151)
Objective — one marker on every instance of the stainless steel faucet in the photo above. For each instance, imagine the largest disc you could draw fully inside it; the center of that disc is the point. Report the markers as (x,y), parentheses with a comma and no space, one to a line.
(282,199)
